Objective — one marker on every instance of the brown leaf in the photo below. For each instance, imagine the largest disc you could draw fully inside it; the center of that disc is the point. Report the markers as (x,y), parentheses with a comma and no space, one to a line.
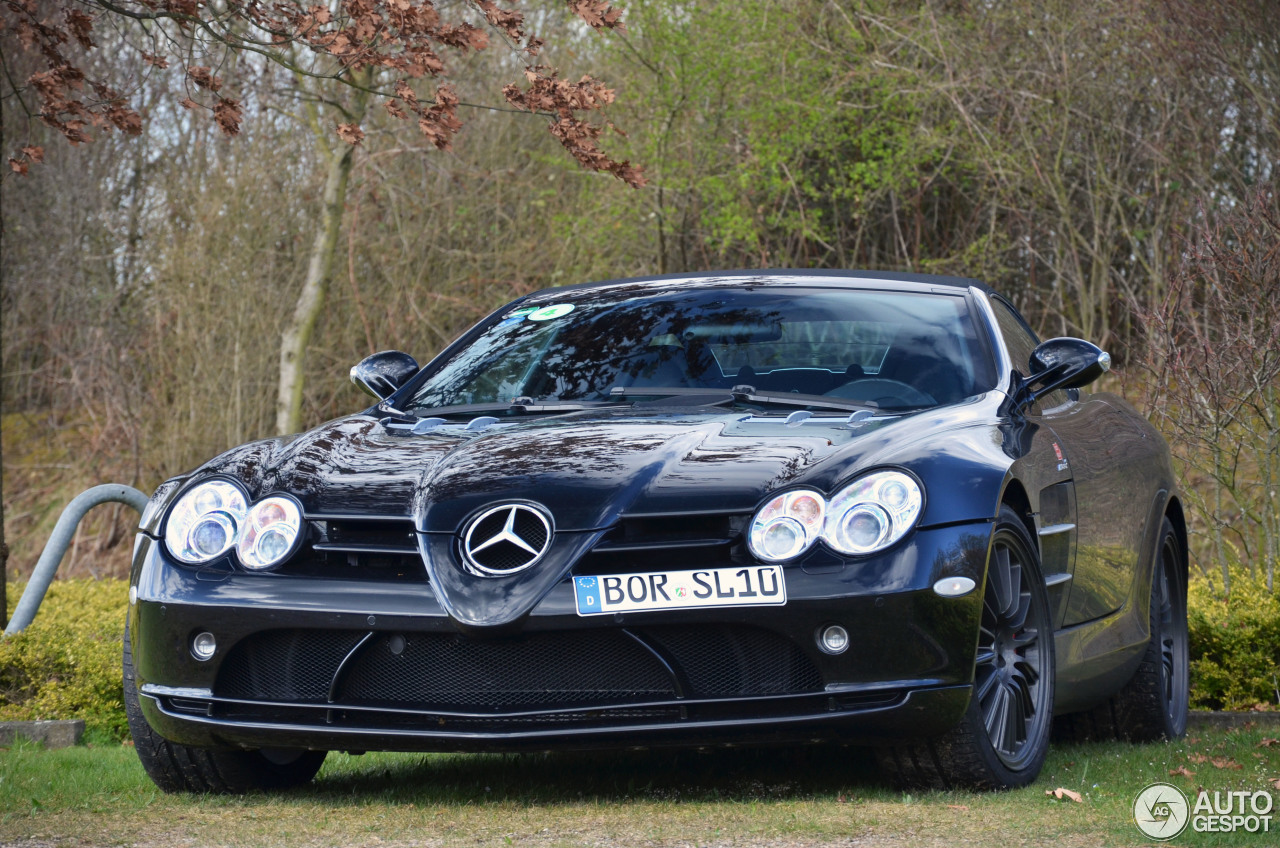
(350,133)
(188,103)
(204,78)
(155,60)
(36,154)
(1061,794)
(227,114)
(1275,781)
(1269,742)
(1197,758)
(1182,770)
(1225,763)
(19,168)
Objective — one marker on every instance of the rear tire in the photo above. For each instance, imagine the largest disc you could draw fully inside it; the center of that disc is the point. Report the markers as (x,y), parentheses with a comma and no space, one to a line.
(183,768)
(1153,704)
(1003,738)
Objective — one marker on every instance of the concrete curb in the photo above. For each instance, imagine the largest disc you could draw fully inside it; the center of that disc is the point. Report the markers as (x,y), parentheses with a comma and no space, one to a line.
(54,734)
(1224,721)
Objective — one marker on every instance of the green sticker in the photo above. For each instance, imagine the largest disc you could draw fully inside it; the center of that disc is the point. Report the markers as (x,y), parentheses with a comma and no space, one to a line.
(546,313)
(519,312)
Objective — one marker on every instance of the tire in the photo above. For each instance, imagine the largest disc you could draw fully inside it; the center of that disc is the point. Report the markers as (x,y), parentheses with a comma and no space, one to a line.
(1002,740)
(1153,704)
(183,768)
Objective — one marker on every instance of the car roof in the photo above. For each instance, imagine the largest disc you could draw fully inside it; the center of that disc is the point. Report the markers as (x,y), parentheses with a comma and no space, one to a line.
(895,280)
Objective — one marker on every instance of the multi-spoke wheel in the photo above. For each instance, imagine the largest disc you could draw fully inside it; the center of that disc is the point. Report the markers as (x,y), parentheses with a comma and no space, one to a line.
(1002,740)
(1014,653)
(1153,704)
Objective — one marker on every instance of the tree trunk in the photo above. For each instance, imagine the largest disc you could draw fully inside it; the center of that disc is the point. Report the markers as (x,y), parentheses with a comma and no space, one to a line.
(297,333)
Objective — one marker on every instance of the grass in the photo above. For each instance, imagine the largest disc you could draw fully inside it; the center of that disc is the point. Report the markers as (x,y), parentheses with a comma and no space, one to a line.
(99,795)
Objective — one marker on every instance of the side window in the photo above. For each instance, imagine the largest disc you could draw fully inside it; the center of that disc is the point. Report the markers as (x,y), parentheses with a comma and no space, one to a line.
(1018,338)
(1021,342)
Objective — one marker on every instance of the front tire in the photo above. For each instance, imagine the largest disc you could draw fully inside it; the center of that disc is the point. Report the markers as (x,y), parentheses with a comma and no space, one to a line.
(183,768)
(1002,741)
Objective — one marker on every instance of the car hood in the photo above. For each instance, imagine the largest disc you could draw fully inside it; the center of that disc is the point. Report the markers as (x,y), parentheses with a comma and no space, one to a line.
(587,469)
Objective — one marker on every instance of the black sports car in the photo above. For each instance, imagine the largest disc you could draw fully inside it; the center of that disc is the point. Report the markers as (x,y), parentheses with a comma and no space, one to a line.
(748,507)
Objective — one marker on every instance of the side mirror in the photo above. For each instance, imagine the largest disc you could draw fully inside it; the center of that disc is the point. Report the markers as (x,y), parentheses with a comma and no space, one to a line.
(380,374)
(1064,363)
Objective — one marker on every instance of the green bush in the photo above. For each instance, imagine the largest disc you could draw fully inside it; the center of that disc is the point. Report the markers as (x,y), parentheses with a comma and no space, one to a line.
(67,663)
(1235,645)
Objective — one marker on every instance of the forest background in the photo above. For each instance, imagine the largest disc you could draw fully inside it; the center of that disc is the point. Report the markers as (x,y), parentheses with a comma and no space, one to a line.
(1106,163)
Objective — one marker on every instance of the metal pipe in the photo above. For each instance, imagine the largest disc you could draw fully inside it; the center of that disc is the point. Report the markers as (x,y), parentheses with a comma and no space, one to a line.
(56,547)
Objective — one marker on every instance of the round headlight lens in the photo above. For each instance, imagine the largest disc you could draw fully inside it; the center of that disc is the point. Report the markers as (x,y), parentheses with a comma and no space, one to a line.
(873,512)
(269,533)
(787,525)
(204,521)
(862,529)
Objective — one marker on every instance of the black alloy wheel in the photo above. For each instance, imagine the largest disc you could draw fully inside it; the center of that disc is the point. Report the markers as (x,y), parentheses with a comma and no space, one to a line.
(1009,675)
(1153,704)
(1003,738)
(1169,615)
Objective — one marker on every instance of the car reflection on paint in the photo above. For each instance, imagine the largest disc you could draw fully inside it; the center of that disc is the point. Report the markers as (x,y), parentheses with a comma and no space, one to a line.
(756,507)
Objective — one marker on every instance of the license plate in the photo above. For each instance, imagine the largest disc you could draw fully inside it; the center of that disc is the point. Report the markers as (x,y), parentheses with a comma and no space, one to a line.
(754,586)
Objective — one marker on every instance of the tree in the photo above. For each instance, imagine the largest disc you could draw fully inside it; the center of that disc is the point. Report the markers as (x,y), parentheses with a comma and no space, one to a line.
(371,48)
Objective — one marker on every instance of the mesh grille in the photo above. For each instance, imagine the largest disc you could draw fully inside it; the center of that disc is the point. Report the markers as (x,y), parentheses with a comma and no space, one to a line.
(725,660)
(578,668)
(285,665)
(542,669)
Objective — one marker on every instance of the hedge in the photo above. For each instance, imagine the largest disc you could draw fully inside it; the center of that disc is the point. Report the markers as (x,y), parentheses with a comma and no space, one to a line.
(1235,645)
(67,663)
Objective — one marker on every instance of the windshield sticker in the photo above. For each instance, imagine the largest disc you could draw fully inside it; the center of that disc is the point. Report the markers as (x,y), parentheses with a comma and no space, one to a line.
(518,315)
(546,313)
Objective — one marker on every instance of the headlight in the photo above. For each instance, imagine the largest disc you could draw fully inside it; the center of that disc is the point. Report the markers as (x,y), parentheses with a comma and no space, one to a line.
(204,523)
(215,517)
(269,533)
(870,514)
(787,525)
(873,513)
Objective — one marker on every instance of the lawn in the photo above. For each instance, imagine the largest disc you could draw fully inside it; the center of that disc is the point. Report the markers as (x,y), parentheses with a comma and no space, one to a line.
(98,795)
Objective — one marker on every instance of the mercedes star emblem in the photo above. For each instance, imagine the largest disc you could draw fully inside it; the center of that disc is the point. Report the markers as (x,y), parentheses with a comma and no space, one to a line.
(506,539)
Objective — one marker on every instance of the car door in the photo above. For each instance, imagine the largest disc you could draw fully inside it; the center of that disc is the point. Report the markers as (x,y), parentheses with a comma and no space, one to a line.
(1090,529)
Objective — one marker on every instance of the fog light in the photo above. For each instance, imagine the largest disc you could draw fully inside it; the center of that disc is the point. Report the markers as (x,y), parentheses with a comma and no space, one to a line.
(834,639)
(954,587)
(203,646)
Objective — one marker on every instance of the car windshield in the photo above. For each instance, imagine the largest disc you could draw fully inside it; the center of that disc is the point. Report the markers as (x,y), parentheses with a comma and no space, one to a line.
(887,349)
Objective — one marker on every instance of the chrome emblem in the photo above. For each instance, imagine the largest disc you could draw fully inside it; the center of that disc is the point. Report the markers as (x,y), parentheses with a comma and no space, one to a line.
(506,539)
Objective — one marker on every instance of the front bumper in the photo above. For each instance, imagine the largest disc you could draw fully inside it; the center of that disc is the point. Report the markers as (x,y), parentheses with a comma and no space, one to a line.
(364,665)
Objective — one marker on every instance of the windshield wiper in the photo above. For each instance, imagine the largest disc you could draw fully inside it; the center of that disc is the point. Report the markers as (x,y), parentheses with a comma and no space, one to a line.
(749,394)
(520,405)
(744,394)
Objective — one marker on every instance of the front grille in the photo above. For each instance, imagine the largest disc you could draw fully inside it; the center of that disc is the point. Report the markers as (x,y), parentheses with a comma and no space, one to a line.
(360,547)
(679,541)
(285,665)
(582,668)
(729,660)
(534,671)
